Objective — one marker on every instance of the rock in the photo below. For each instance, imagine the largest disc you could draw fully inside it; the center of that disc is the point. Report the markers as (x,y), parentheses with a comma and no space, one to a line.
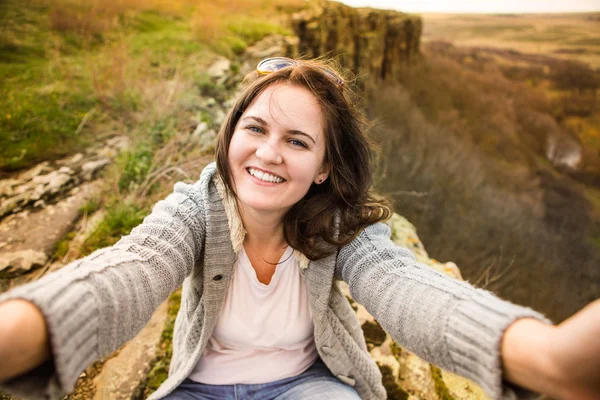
(6,186)
(40,230)
(37,192)
(76,158)
(200,129)
(370,42)
(269,46)
(564,151)
(122,374)
(19,262)
(403,372)
(57,182)
(207,141)
(49,184)
(219,69)
(218,117)
(270,52)
(66,170)
(35,171)
(118,142)
(40,204)
(231,101)
(210,102)
(107,152)
(91,167)
(12,203)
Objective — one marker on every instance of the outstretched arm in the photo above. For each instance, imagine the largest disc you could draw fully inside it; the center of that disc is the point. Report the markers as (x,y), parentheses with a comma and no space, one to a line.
(561,361)
(95,304)
(24,328)
(443,320)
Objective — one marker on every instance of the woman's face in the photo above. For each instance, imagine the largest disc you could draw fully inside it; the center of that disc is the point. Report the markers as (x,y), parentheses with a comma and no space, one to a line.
(277,149)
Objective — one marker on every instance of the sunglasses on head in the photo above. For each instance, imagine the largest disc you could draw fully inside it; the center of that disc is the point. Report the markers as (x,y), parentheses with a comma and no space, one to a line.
(273,64)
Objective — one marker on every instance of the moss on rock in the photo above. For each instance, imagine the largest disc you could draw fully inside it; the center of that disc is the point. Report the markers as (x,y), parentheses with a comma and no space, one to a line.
(374,333)
(440,386)
(394,392)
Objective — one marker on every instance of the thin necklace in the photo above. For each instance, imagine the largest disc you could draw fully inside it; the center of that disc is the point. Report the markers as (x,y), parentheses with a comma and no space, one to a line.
(280,262)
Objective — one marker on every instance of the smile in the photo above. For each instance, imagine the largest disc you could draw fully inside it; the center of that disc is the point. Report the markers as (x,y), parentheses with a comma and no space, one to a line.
(265,177)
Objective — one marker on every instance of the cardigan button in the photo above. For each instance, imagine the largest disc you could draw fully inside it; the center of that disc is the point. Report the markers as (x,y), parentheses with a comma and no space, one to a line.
(326,350)
(347,380)
(217,277)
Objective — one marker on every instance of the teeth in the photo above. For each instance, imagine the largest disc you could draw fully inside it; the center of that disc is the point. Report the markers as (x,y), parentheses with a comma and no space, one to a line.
(264,176)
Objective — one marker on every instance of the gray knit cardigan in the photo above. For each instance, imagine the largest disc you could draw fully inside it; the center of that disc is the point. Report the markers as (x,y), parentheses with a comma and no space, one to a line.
(95,304)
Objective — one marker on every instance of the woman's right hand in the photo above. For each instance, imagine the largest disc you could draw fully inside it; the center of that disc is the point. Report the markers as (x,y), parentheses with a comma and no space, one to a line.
(24,342)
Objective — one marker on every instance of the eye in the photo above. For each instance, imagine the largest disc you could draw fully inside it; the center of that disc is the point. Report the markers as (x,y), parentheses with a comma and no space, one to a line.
(255,129)
(298,143)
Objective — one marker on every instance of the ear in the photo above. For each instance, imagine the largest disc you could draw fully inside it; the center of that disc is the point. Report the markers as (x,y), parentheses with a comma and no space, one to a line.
(323,175)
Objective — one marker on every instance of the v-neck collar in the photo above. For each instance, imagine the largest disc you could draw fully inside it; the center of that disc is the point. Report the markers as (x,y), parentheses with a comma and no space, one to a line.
(282,265)
(236,226)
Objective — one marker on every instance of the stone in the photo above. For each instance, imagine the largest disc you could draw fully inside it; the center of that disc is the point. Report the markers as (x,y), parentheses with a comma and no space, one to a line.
(58,181)
(19,262)
(39,230)
(7,185)
(210,102)
(118,142)
(40,204)
(35,171)
(403,371)
(12,203)
(200,129)
(122,374)
(207,141)
(218,117)
(66,170)
(91,167)
(270,52)
(370,42)
(219,68)
(76,158)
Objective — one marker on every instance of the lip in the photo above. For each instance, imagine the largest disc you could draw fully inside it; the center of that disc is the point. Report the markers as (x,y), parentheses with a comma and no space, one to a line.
(264,171)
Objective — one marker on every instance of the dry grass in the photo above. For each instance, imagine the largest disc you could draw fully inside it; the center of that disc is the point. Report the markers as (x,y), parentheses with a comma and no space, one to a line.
(564,91)
(567,36)
(61,60)
(520,221)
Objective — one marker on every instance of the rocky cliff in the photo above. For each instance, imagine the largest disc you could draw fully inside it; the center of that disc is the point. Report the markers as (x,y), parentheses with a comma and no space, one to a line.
(372,43)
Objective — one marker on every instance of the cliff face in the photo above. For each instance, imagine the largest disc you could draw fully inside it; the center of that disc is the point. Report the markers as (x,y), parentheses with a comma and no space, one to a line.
(372,43)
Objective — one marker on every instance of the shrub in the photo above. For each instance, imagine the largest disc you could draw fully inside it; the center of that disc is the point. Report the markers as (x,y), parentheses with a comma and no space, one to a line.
(135,165)
(519,220)
(575,75)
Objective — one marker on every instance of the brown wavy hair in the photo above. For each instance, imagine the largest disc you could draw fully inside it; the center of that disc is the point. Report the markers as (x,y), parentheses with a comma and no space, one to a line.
(333,213)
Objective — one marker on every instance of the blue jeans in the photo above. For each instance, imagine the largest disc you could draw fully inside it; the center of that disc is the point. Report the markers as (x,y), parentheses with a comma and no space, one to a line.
(317,382)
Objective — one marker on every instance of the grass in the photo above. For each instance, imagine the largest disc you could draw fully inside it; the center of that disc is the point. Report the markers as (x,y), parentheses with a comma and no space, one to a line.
(440,387)
(575,35)
(482,178)
(62,246)
(120,219)
(135,165)
(71,69)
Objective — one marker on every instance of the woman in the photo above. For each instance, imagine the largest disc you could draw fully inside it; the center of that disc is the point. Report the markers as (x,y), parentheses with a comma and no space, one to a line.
(258,243)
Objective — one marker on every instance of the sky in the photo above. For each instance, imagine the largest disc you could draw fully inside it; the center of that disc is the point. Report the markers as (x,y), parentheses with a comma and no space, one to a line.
(480,6)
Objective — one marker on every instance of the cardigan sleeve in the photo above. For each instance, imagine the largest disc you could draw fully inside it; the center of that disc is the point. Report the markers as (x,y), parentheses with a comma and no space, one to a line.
(95,304)
(443,320)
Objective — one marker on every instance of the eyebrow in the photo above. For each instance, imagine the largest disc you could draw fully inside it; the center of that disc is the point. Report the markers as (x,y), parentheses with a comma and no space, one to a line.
(292,131)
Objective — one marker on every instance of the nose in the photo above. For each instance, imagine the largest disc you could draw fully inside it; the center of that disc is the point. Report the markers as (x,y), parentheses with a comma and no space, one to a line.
(268,154)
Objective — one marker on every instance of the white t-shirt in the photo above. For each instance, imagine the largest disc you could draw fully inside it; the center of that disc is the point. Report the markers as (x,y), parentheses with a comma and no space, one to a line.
(264,333)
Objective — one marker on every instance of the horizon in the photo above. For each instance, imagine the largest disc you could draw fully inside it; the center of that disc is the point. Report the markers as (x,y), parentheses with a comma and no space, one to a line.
(478,7)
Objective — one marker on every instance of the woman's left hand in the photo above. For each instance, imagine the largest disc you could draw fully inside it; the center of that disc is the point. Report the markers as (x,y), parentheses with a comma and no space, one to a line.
(575,353)
(562,361)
